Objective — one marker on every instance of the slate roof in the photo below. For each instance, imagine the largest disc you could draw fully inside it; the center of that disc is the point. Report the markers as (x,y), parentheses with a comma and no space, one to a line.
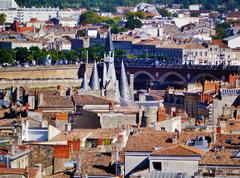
(108,43)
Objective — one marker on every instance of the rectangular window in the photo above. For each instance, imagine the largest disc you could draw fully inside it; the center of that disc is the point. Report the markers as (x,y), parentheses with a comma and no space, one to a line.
(157,166)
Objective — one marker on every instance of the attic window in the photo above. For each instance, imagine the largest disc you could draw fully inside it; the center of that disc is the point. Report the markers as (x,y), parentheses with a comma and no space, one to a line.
(218,157)
(237,155)
(228,141)
(157,166)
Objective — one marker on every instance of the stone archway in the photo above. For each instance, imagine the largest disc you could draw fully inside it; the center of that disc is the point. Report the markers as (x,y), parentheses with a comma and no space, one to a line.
(145,73)
(142,80)
(166,75)
(203,76)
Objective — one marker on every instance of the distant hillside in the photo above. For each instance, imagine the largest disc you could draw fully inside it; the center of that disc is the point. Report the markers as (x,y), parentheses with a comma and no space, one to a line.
(108,5)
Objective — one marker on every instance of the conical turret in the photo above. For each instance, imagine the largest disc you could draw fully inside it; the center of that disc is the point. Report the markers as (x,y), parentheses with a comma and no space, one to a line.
(94,82)
(124,86)
(104,75)
(84,85)
(109,48)
(111,75)
(109,43)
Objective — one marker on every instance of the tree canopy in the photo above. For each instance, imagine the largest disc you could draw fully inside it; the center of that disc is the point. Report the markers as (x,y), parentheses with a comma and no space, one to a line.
(2,18)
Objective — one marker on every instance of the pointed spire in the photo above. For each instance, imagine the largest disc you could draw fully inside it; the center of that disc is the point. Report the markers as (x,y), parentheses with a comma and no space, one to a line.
(94,82)
(109,43)
(84,85)
(117,92)
(111,75)
(104,75)
(124,86)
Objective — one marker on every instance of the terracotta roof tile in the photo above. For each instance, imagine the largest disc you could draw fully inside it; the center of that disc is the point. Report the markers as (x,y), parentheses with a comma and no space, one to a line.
(57,101)
(232,126)
(87,133)
(19,171)
(148,139)
(220,158)
(90,100)
(228,141)
(95,163)
(178,150)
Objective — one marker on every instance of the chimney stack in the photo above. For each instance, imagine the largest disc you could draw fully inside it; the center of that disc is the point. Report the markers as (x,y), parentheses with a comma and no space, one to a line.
(40,99)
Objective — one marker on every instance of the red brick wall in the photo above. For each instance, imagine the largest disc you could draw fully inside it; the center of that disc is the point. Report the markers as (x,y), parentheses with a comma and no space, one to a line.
(62,116)
(211,86)
(61,151)
(206,98)
(232,78)
(74,145)
(161,115)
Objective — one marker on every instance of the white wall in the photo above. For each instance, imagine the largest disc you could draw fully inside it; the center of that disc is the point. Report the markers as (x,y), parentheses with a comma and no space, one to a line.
(170,125)
(133,160)
(178,166)
(185,20)
(234,43)
(52,132)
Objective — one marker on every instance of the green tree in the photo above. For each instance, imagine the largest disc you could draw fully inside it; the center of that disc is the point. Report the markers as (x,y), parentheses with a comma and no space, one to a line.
(62,55)
(221,30)
(164,12)
(96,52)
(21,54)
(89,17)
(81,33)
(133,23)
(37,54)
(120,53)
(2,19)
(6,56)
(72,56)
(131,56)
(53,55)
(132,15)
(83,54)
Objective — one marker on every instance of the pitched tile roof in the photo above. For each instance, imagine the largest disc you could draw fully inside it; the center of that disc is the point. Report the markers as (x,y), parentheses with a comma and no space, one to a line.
(228,141)
(220,158)
(106,133)
(148,139)
(57,101)
(19,171)
(232,126)
(74,134)
(95,163)
(90,100)
(87,133)
(178,150)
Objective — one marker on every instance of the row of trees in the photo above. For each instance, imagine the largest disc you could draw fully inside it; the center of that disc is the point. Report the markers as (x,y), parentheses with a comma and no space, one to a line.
(91,17)
(41,57)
